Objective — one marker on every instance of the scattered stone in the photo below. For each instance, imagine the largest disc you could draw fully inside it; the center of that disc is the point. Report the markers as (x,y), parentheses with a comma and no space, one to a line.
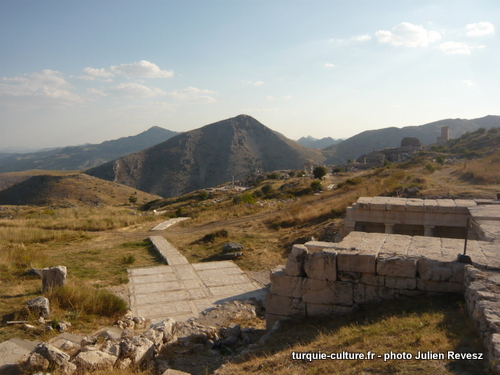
(53,277)
(52,354)
(39,306)
(232,247)
(34,362)
(94,360)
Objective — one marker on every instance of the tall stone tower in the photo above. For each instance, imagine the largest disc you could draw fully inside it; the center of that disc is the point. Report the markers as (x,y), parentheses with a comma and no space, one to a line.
(445,136)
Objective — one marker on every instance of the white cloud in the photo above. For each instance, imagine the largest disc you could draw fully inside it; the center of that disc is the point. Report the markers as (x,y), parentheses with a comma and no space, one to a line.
(455,48)
(40,88)
(329,65)
(480,28)
(143,69)
(408,35)
(135,90)
(468,82)
(96,92)
(361,38)
(92,74)
(257,83)
(274,98)
(193,94)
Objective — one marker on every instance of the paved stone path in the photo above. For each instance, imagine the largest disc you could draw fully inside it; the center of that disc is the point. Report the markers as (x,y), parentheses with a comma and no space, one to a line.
(12,350)
(182,290)
(165,224)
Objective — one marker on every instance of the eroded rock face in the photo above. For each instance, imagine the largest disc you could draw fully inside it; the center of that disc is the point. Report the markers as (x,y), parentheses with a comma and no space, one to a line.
(53,277)
(39,306)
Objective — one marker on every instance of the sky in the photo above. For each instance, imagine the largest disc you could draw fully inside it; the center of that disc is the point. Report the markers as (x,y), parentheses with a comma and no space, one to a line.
(85,71)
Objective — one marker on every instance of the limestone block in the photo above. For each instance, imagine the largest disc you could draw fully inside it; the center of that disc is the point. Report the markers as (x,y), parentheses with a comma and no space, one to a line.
(316,310)
(39,306)
(372,294)
(440,286)
(396,244)
(354,261)
(295,262)
(410,293)
(344,310)
(396,265)
(352,277)
(400,282)
(327,292)
(168,327)
(94,360)
(53,277)
(278,305)
(284,285)
(429,269)
(52,354)
(138,349)
(319,246)
(372,279)
(321,265)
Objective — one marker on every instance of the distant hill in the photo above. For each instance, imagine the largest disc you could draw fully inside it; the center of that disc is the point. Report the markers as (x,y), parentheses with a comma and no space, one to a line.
(207,157)
(59,188)
(86,156)
(312,142)
(372,140)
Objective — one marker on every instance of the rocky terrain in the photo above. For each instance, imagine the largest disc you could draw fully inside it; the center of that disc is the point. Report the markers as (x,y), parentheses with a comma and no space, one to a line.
(208,156)
(85,156)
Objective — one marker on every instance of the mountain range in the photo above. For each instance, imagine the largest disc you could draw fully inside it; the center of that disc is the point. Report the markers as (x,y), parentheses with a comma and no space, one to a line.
(85,156)
(312,142)
(207,157)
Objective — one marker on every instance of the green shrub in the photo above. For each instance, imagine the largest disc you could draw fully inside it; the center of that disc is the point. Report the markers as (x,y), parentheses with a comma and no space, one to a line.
(203,195)
(316,185)
(319,172)
(128,259)
(266,189)
(273,176)
(430,167)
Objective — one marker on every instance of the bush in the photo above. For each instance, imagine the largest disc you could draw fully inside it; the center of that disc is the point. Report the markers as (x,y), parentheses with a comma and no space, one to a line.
(291,173)
(128,259)
(273,176)
(245,198)
(203,195)
(440,159)
(316,185)
(212,236)
(430,167)
(319,172)
(132,199)
(266,189)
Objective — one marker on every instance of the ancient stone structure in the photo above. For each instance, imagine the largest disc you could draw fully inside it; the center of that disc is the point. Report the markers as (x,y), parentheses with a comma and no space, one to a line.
(445,136)
(411,216)
(323,278)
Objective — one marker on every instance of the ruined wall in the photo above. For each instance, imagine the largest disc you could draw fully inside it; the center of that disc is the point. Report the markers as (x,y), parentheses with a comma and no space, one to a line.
(320,280)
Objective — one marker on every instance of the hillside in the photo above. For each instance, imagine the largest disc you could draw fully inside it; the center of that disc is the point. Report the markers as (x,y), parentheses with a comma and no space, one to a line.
(86,156)
(208,156)
(312,142)
(61,188)
(372,140)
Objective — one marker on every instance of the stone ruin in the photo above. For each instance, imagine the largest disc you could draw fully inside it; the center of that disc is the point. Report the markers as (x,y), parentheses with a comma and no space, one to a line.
(323,278)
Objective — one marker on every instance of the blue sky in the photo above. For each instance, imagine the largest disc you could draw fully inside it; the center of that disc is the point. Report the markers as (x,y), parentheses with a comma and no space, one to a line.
(75,71)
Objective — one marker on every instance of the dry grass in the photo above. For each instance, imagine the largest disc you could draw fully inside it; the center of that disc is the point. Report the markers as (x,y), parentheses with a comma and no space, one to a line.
(435,324)
(483,171)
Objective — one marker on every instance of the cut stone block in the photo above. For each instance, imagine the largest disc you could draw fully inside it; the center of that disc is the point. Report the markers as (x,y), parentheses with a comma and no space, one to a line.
(440,286)
(352,277)
(321,265)
(285,306)
(284,285)
(53,277)
(440,271)
(400,282)
(327,292)
(396,265)
(295,262)
(372,279)
(354,261)
(318,246)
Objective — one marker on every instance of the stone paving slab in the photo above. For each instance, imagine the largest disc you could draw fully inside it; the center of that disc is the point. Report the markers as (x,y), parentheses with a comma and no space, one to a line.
(12,350)
(181,290)
(164,225)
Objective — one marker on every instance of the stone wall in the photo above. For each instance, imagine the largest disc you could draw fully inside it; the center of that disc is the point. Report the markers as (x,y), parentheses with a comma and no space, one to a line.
(321,279)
